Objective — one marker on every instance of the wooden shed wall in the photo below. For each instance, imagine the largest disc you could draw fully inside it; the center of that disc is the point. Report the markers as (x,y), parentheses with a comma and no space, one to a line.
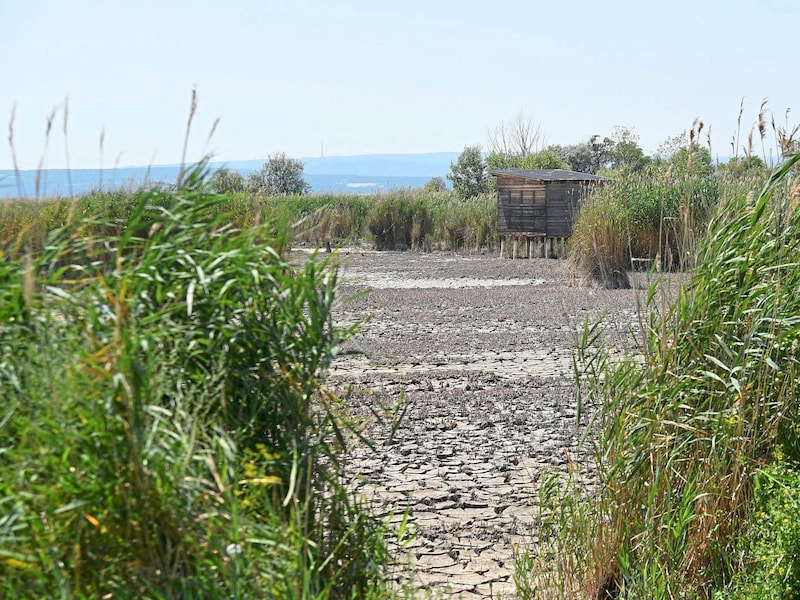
(522,207)
(563,200)
(533,208)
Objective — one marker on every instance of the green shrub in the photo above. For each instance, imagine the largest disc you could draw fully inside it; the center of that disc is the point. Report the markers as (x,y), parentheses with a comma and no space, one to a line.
(769,546)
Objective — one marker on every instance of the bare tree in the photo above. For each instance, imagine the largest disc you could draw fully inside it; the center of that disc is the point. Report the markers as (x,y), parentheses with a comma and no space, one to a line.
(519,137)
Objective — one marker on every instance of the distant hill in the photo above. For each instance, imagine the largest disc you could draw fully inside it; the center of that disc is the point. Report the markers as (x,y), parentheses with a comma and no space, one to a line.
(363,174)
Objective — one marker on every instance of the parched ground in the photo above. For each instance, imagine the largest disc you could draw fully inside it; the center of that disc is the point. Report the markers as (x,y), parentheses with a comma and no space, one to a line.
(479,350)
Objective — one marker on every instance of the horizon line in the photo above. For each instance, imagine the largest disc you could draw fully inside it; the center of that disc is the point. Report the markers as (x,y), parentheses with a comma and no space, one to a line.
(224,162)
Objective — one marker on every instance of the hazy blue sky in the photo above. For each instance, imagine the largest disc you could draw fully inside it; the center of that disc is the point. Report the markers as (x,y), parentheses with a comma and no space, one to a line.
(370,76)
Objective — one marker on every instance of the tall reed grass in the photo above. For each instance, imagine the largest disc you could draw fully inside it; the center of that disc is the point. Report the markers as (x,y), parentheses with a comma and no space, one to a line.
(655,214)
(424,220)
(681,434)
(166,432)
(399,219)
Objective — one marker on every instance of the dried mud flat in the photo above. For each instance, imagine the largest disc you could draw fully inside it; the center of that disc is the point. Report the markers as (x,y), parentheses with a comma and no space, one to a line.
(480,348)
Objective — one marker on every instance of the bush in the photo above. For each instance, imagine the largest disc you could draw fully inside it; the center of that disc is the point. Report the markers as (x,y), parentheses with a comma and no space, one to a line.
(469,175)
(279,176)
(225,181)
(770,544)
(435,185)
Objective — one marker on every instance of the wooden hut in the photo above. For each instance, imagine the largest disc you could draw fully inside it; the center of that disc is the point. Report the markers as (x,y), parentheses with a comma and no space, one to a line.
(538,207)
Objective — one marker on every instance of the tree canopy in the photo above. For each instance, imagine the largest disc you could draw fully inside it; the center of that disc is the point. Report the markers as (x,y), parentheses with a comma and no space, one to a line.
(519,137)
(279,176)
(618,153)
(225,181)
(468,174)
(543,159)
(435,185)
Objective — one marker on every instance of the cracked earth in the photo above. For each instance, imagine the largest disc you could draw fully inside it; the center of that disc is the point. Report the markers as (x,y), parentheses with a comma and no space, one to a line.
(478,349)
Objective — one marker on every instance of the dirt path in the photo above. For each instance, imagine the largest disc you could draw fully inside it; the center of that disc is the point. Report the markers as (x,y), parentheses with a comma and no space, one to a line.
(480,348)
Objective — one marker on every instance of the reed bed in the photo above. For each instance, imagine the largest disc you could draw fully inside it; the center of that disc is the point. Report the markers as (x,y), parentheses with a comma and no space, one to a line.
(401,219)
(655,215)
(166,432)
(695,443)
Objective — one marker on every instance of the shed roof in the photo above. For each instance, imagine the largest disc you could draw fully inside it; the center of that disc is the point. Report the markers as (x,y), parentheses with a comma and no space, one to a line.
(548,175)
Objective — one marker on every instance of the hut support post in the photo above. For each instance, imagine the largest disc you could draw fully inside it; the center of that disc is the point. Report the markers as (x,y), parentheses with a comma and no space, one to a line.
(516,247)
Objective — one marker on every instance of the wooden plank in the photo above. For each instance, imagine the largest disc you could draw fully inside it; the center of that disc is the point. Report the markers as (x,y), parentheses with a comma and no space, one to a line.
(531,206)
(562,197)
(530,213)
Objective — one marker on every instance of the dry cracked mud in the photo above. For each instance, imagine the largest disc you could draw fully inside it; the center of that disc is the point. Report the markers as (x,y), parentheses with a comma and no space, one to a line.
(479,348)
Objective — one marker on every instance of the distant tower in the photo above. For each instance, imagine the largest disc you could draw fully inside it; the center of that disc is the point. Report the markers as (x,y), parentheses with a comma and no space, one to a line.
(322,149)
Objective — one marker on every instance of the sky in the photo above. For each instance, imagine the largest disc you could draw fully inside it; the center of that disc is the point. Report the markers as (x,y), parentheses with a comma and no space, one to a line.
(354,77)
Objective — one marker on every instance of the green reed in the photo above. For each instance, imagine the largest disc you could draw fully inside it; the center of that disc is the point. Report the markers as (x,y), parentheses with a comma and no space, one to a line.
(166,431)
(398,219)
(680,435)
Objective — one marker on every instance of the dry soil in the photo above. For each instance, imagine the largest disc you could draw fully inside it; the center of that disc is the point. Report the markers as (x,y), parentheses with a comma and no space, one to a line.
(478,349)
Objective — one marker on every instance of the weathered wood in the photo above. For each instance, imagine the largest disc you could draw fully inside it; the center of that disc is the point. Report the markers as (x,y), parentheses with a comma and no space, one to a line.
(533,245)
(642,264)
(532,206)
